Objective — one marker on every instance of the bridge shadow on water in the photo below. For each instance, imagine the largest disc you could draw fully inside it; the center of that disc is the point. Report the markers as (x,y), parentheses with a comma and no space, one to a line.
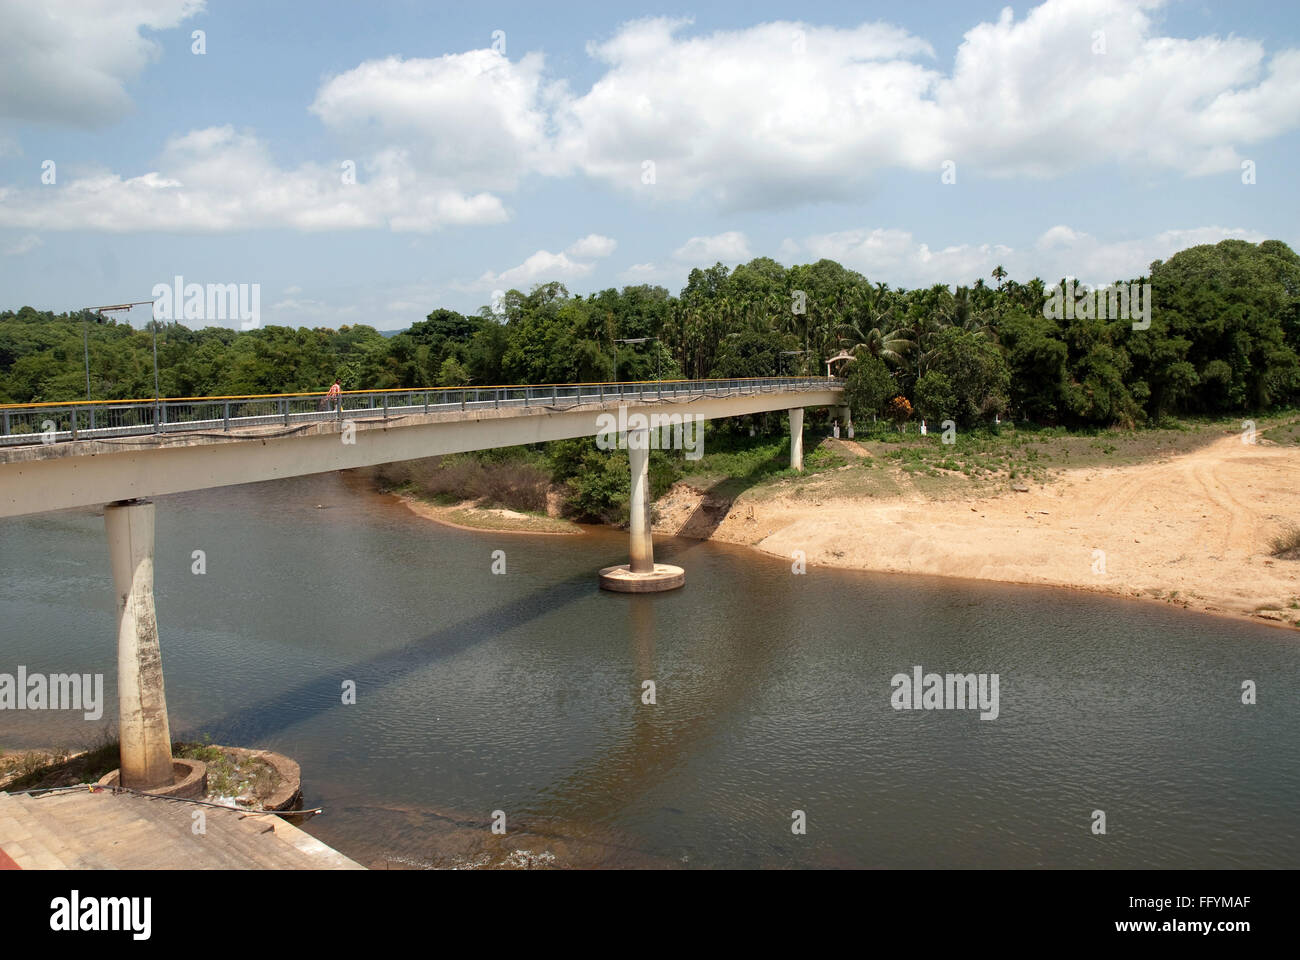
(313,697)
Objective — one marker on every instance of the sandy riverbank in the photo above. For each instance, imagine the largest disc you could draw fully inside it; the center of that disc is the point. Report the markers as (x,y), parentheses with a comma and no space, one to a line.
(1191,529)
(469,516)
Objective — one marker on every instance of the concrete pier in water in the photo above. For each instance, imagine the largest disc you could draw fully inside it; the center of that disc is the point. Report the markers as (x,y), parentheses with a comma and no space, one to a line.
(146,749)
(641,574)
(796,438)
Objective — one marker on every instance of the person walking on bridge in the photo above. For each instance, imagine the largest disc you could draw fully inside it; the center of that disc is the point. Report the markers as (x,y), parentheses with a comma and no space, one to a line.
(334,398)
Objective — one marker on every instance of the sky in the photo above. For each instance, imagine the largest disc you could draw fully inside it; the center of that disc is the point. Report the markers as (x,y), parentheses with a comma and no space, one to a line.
(370,162)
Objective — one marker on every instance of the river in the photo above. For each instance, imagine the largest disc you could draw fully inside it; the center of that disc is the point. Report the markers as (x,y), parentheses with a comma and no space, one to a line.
(523,693)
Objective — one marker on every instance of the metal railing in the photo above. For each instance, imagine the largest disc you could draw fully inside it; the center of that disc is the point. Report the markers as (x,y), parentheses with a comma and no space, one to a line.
(32,423)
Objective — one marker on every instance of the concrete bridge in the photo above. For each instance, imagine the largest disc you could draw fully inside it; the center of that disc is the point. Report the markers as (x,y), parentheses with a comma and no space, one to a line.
(56,456)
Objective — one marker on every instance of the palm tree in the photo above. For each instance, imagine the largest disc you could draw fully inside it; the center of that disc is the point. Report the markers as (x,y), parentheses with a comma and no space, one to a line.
(999,275)
(962,313)
(889,345)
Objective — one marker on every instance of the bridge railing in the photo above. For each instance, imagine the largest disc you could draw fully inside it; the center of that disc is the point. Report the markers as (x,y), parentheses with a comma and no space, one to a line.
(93,420)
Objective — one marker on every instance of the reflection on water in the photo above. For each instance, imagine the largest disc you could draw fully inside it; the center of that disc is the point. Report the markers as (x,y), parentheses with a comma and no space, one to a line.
(522,694)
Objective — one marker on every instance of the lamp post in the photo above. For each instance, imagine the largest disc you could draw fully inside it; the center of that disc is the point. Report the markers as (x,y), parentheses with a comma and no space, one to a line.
(85,342)
(115,308)
(634,340)
(794,353)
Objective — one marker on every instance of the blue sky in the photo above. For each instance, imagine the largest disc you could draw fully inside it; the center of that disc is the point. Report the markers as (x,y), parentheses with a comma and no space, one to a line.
(1085,138)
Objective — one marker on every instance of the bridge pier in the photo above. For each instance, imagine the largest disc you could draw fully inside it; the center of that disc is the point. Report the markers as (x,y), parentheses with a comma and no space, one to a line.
(796,439)
(641,574)
(146,748)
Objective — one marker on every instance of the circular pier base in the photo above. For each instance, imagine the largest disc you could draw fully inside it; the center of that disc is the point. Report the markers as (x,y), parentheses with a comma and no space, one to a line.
(189,780)
(621,579)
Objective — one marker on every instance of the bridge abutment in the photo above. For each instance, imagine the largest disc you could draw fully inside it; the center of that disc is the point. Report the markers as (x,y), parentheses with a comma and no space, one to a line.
(641,574)
(146,746)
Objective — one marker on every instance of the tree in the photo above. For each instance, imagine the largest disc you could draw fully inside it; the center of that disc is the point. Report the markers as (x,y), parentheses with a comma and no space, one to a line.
(749,354)
(970,374)
(867,386)
(452,374)
(936,399)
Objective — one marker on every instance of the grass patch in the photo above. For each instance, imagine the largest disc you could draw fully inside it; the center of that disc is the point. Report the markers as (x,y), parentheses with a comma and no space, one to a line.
(1286,433)
(229,775)
(61,767)
(1285,544)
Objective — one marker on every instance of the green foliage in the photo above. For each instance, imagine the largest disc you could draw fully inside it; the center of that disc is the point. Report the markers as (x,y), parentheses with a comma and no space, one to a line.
(749,353)
(452,373)
(868,386)
(600,489)
(1224,338)
(972,379)
(936,399)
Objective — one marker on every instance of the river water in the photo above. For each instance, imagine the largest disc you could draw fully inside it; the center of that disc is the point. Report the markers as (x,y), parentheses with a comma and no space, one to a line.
(484,698)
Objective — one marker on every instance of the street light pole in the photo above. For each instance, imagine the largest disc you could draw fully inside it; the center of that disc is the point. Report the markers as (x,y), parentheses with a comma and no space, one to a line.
(793,353)
(634,340)
(154,323)
(99,313)
(85,332)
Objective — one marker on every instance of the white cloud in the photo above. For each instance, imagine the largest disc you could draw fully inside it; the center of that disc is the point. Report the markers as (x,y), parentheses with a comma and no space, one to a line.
(750,118)
(592,245)
(473,119)
(670,275)
(430,138)
(69,61)
(895,257)
(1097,262)
(23,245)
(729,247)
(899,259)
(215,180)
(544,266)
(773,115)
(292,304)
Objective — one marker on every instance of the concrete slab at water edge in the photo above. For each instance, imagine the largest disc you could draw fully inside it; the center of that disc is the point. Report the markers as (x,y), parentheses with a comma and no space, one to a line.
(77,830)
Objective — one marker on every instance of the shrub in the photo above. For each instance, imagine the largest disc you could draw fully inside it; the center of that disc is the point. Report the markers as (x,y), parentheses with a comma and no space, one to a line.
(1286,544)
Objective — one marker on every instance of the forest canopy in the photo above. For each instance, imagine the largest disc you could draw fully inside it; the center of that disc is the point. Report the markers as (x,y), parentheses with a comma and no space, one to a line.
(1223,337)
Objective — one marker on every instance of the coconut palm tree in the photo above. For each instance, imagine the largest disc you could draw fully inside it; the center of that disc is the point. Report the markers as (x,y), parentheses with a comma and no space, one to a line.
(961,312)
(889,345)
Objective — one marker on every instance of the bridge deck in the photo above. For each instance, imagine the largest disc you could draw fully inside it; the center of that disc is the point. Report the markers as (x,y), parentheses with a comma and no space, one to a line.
(186,447)
(46,423)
